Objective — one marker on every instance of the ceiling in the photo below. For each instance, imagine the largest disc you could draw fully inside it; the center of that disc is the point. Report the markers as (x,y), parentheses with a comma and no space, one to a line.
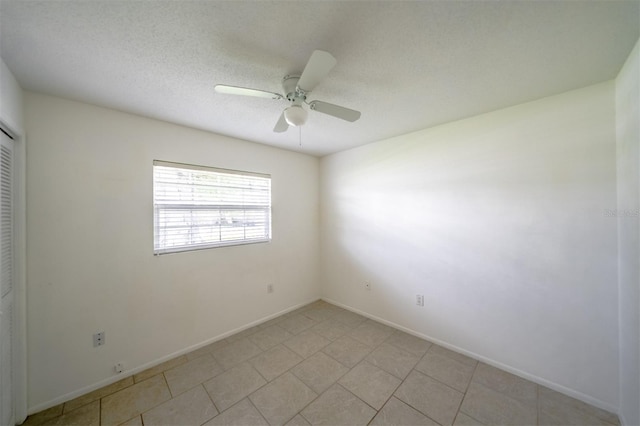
(406,65)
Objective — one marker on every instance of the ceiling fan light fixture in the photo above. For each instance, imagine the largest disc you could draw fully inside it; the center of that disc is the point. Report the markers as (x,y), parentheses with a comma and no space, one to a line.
(295,115)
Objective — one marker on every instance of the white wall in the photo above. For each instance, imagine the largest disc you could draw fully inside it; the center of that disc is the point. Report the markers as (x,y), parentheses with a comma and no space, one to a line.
(499,221)
(628,152)
(90,246)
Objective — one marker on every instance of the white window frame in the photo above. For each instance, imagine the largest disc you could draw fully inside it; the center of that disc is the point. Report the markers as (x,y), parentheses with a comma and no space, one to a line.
(180,200)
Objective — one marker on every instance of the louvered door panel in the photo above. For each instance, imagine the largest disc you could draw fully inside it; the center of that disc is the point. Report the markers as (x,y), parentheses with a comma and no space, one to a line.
(6,219)
(7,414)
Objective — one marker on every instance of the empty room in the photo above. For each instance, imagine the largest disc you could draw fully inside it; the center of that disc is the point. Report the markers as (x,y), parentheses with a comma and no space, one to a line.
(320,212)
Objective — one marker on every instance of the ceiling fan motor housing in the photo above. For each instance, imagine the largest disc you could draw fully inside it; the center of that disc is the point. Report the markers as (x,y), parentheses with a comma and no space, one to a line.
(289,85)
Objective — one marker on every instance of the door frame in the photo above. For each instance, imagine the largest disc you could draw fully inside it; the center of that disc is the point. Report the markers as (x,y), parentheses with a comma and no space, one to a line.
(20,269)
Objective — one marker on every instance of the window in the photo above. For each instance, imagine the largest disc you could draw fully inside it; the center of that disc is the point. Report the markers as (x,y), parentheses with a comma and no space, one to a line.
(198,207)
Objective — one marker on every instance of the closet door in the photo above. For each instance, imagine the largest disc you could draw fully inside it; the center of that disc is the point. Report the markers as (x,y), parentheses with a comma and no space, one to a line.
(7,413)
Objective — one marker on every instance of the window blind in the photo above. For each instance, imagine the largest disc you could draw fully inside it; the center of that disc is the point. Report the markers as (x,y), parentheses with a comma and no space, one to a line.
(197,207)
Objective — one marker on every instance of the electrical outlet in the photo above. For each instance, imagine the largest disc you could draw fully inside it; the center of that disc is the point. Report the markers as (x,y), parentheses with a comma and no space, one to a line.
(269,288)
(119,367)
(98,339)
(419,300)
(367,286)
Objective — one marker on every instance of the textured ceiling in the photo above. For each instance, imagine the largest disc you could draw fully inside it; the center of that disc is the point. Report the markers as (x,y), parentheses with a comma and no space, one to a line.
(405,65)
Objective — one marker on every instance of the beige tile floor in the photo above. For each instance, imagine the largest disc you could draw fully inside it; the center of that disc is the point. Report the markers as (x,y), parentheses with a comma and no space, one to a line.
(323,365)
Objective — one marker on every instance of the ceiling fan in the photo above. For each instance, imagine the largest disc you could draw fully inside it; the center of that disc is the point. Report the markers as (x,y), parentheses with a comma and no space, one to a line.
(296,89)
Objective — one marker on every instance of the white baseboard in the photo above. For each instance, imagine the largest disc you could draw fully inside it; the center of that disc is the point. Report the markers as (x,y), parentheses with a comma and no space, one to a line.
(533,378)
(130,372)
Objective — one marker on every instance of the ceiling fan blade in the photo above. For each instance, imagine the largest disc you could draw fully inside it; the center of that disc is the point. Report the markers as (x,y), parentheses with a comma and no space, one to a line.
(335,110)
(319,65)
(234,90)
(281,125)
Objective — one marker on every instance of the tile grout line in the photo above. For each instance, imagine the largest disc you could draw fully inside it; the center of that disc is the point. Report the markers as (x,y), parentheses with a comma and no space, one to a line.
(166,382)
(319,395)
(464,394)
(432,378)
(402,380)
(357,397)
(279,375)
(163,402)
(254,406)
(212,402)
(435,379)
(387,400)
